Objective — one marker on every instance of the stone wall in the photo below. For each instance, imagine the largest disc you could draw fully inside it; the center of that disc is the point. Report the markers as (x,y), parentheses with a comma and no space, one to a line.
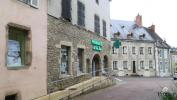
(63,32)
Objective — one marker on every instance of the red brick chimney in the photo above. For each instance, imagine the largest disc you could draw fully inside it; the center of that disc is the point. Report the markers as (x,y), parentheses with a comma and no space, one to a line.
(152,28)
(138,20)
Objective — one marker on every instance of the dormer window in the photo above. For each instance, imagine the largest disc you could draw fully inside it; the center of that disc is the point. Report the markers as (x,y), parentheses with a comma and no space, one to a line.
(116,35)
(142,36)
(130,35)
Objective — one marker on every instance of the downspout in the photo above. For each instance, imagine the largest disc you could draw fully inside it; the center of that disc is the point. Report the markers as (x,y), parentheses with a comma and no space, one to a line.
(155,59)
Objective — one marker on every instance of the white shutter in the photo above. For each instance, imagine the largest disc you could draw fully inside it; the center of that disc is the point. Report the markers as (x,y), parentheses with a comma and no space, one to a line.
(34,3)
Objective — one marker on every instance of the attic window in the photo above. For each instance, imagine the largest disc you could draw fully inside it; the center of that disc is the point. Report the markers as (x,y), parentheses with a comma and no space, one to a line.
(122,26)
(117,34)
(142,36)
(130,35)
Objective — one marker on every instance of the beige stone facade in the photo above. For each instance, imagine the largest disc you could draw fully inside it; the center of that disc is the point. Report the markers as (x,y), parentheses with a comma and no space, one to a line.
(128,62)
(27,80)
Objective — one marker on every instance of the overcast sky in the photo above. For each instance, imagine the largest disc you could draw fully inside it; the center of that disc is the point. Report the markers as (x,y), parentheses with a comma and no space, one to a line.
(161,13)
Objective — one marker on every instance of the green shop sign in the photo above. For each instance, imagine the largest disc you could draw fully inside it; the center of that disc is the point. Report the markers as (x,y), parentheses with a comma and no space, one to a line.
(117,44)
(97,45)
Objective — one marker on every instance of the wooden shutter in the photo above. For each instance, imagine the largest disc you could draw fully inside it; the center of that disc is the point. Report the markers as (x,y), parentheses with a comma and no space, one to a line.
(81,13)
(66,9)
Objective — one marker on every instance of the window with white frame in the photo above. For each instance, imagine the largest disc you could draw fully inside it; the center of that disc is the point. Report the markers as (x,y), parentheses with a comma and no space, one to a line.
(142,64)
(133,50)
(161,66)
(150,64)
(115,67)
(125,64)
(150,50)
(165,54)
(33,3)
(114,50)
(141,50)
(124,49)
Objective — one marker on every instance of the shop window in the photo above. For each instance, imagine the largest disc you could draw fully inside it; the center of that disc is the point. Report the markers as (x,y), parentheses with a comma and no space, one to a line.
(64,68)
(104,28)
(80,55)
(11,97)
(18,54)
(141,50)
(125,64)
(97,24)
(81,13)
(115,67)
(66,9)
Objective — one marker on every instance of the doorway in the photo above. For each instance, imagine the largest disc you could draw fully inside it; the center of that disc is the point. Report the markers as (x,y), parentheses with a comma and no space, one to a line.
(134,66)
(96,65)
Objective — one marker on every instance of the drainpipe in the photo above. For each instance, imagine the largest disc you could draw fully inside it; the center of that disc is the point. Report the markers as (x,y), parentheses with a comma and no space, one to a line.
(155,59)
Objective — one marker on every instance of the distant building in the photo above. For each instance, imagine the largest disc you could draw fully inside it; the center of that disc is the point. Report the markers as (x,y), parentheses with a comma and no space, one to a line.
(173,53)
(23,49)
(162,54)
(78,41)
(138,54)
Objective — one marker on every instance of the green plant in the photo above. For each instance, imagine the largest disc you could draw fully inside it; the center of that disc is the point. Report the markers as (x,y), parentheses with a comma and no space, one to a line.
(168,96)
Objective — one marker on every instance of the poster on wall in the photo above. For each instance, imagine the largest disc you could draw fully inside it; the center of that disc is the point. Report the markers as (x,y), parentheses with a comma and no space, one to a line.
(13,57)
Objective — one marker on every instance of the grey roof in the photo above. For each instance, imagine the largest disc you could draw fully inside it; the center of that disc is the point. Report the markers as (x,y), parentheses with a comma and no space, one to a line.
(128,27)
(159,41)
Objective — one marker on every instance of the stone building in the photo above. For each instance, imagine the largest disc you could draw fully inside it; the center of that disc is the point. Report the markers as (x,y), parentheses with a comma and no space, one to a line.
(142,52)
(173,55)
(136,53)
(78,41)
(162,54)
(23,49)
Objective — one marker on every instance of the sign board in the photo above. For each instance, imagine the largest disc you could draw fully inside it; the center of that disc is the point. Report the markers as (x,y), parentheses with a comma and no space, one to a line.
(117,44)
(97,45)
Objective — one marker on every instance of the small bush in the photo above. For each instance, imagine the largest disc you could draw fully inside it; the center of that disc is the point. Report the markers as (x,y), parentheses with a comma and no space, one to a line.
(168,96)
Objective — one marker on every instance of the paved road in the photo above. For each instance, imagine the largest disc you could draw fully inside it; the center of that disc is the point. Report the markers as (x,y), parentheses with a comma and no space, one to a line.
(132,88)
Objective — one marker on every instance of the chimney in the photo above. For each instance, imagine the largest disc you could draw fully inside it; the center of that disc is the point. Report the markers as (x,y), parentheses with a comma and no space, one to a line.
(152,28)
(138,20)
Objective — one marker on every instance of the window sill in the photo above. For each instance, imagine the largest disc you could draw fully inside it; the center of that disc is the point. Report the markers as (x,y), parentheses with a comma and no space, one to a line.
(17,67)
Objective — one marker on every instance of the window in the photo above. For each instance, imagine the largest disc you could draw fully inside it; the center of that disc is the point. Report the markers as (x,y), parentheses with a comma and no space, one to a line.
(165,54)
(150,64)
(150,50)
(161,53)
(161,66)
(81,13)
(115,65)
(133,50)
(97,24)
(11,97)
(80,55)
(104,28)
(141,50)
(114,50)
(124,49)
(33,3)
(66,9)
(19,54)
(64,67)
(97,1)
(125,64)
(142,64)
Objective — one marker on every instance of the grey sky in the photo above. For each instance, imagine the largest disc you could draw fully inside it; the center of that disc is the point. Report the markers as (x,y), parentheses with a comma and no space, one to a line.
(162,13)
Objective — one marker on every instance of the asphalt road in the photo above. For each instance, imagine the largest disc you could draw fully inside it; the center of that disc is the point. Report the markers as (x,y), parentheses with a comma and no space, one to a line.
(132,88)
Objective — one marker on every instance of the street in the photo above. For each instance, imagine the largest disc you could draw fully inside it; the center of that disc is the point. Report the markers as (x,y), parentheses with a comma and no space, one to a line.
(132,88)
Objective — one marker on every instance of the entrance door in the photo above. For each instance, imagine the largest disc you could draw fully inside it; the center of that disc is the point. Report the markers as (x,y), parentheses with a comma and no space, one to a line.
(134,66)
(96,65)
